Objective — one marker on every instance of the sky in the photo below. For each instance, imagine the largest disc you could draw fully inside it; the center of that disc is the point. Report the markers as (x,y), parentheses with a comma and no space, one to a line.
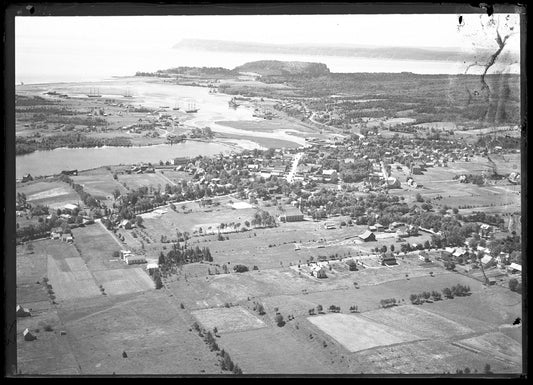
(92,44)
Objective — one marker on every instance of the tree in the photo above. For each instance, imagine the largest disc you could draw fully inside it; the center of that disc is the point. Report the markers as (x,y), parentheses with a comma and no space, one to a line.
(513,284)
(319,309)
(139,220)
(487,369)
(279,320)
(419,198)
(447,292)
(116,254)
(260,309)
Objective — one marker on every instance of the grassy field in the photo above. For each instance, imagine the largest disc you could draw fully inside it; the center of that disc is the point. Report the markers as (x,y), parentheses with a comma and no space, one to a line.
(124,281)
(52,194)
(228,320)
(356,333)
(496,344)
(71,279)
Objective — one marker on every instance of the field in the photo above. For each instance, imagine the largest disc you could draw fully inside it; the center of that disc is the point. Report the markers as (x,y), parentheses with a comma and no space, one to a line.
(356,334)
(134,181)
(99,183)
(124,281)
(52,194)
(96,246)
(275,350)
(71,279)
(228,320)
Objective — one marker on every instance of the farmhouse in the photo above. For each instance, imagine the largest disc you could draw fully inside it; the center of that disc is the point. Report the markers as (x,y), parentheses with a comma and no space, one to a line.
(487,259)
(124,254)
(70,207)
(329,225)
(368,236)
(292,214)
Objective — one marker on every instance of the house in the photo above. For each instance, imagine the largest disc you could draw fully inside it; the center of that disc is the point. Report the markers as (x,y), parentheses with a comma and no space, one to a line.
(423,256)
(134,259)
(291,214)
(486,260)
(388,259)
(152,267)
(372,228)
(514,268)
(321,273)
(70,207)
(459,252)
(67,238)
(56,233)
(124,253)
(26,178)
(367,236)
(379,227)
(329,225)
(22,312)
(69,172)
(28,336)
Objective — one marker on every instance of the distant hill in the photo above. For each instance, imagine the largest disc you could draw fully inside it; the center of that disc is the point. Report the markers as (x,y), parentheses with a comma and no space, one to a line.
(343,50)
(276,67)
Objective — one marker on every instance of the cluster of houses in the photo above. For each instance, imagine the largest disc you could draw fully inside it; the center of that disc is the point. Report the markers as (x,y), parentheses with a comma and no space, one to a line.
(64,235)
(142,168)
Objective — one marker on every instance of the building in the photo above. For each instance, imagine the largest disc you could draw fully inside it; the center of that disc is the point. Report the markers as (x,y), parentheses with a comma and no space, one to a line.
(329,225)
(367,236)
(388,259)
(22,312)
(423,256)
(67,238)
(291,214)
(28,336)
(134,259)
(515,267)
(124,253)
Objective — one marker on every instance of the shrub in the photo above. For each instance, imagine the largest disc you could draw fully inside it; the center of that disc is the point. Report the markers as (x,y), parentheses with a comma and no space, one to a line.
(48,328)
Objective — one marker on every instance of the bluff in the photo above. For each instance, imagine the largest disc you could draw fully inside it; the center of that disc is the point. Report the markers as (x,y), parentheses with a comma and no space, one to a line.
(278,68)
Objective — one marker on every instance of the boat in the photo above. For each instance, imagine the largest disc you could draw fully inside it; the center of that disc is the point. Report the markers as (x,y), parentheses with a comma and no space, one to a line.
(232,103)
(191,108)
(94,93)
(176,107)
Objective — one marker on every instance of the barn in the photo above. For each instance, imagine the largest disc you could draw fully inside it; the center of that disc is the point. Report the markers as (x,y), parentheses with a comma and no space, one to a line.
(367,236)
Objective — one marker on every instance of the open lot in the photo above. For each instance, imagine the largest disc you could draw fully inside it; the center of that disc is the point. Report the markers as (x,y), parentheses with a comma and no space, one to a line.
(228,320)
(356,333)
(497,344)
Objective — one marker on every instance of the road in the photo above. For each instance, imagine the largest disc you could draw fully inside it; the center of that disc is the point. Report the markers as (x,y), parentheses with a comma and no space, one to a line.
(294,166)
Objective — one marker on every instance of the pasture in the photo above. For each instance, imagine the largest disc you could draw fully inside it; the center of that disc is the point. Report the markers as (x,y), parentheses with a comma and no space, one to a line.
(71,279)
(356,333)
(227,320)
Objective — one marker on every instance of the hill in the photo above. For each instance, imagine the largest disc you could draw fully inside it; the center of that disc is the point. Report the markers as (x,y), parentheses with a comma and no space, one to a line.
(280,68)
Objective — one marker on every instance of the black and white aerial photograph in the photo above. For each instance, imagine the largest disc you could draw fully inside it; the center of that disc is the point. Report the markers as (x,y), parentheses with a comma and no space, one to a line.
(220,193)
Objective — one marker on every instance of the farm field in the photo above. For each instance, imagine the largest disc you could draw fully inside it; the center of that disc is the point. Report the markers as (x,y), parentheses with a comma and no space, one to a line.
(124,281)
(431,357)
(356,333)
(54,194)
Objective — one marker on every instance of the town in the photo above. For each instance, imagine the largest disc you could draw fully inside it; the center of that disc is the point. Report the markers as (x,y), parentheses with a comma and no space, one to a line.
(191,206)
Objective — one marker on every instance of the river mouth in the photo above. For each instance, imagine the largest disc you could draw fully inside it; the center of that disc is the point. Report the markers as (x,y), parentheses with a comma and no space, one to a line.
(152,93)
